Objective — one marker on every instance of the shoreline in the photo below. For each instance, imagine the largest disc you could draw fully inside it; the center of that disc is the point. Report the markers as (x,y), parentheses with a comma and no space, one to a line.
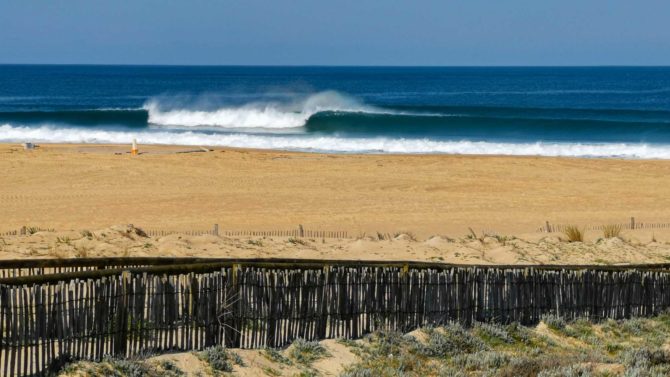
(185,148)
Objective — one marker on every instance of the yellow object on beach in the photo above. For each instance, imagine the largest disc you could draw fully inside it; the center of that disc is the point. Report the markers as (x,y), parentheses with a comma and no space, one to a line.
(133,149)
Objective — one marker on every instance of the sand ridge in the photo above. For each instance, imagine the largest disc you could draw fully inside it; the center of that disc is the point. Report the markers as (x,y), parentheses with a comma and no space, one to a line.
(127,241)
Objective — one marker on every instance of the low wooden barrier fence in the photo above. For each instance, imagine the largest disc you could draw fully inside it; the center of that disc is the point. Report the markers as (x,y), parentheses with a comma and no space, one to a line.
(137,306)
(214,231)
(630,225)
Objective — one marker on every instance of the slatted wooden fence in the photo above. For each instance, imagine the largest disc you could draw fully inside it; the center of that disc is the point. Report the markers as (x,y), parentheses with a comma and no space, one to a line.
(49,319)
(630,225)
(308,233)
(298,232)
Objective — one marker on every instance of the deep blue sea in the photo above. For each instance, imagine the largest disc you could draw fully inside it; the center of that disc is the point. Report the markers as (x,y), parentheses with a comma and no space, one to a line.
(593,112)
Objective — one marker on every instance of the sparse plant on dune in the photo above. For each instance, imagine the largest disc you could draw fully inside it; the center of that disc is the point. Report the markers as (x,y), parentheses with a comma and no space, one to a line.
(64,240)
(410,235)
(297,241)
(258,243)
(305,352)
(612,230)
(81,251)
(218,358)
(553,321)
(384,236)
(474,237)
(574,234)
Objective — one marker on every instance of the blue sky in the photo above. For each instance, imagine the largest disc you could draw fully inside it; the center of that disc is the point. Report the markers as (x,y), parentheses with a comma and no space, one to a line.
(356,32)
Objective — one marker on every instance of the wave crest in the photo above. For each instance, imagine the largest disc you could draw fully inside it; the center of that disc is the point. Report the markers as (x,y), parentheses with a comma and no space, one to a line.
(267,115)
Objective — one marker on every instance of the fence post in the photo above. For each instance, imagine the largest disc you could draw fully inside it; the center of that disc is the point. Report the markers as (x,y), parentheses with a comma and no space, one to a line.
(632,223)
(121,342)
(548,227)
(215,231)
(301,230)
(233,330)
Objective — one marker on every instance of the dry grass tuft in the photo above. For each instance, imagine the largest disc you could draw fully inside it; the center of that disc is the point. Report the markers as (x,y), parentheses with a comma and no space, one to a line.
(410,235)
(574,234)
(297,241)
(611,231)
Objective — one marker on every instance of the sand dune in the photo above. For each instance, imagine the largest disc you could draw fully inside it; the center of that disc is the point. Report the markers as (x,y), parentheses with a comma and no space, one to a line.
(542,249)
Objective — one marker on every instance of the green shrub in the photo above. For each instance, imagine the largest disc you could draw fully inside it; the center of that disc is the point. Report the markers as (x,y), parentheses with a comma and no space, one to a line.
(554,322)
(274,355)
(482,360)
(306,352)
(451,340)
(493,333)
(217,357)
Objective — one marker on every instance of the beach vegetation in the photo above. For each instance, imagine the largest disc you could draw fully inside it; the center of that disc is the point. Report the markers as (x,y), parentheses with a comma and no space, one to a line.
(63,240)
(218,358)
(306,352)
(87,234)
(271,371)
(574,233)
(409,235)
(133,367)
(276,356)
(258,243)
(384,236)
(578,348)
(472,236)
(553,321)
(612,231)
(297,241)
(81,251)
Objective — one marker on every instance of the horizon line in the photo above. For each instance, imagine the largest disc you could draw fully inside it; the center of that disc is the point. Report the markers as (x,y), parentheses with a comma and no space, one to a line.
(336,66)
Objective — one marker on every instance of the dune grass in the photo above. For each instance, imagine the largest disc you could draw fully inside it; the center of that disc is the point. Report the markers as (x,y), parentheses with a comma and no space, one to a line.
(611,231)
(574,233)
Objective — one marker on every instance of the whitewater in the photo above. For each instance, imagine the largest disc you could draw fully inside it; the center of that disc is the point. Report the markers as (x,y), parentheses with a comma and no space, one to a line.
(263,115)
(621,112)
(334,144)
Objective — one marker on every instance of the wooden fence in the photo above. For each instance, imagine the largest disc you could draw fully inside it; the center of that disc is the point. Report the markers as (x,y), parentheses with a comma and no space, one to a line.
(48,319)
(630,225)
(298,232)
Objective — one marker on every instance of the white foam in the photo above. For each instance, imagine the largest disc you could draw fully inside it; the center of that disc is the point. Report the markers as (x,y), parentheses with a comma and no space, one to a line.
(49,134)
(255,115)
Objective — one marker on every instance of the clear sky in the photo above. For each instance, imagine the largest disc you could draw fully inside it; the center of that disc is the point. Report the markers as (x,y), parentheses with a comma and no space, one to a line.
(345,32)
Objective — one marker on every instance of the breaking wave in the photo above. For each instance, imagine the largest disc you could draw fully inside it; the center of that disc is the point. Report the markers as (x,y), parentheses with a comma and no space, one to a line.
(266,115)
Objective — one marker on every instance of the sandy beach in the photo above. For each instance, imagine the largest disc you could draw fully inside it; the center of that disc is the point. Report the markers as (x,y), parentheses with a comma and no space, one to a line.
(435,199)
(96,186)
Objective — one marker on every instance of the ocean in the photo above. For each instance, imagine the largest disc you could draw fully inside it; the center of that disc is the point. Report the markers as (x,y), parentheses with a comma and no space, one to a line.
(548,111)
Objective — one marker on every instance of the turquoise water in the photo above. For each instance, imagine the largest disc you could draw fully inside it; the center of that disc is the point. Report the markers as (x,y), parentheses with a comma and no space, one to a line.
(599,112)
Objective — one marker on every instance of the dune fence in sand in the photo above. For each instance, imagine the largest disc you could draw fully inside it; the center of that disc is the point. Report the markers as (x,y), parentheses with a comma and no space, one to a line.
(299,232)
(54,311)
(630,225)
